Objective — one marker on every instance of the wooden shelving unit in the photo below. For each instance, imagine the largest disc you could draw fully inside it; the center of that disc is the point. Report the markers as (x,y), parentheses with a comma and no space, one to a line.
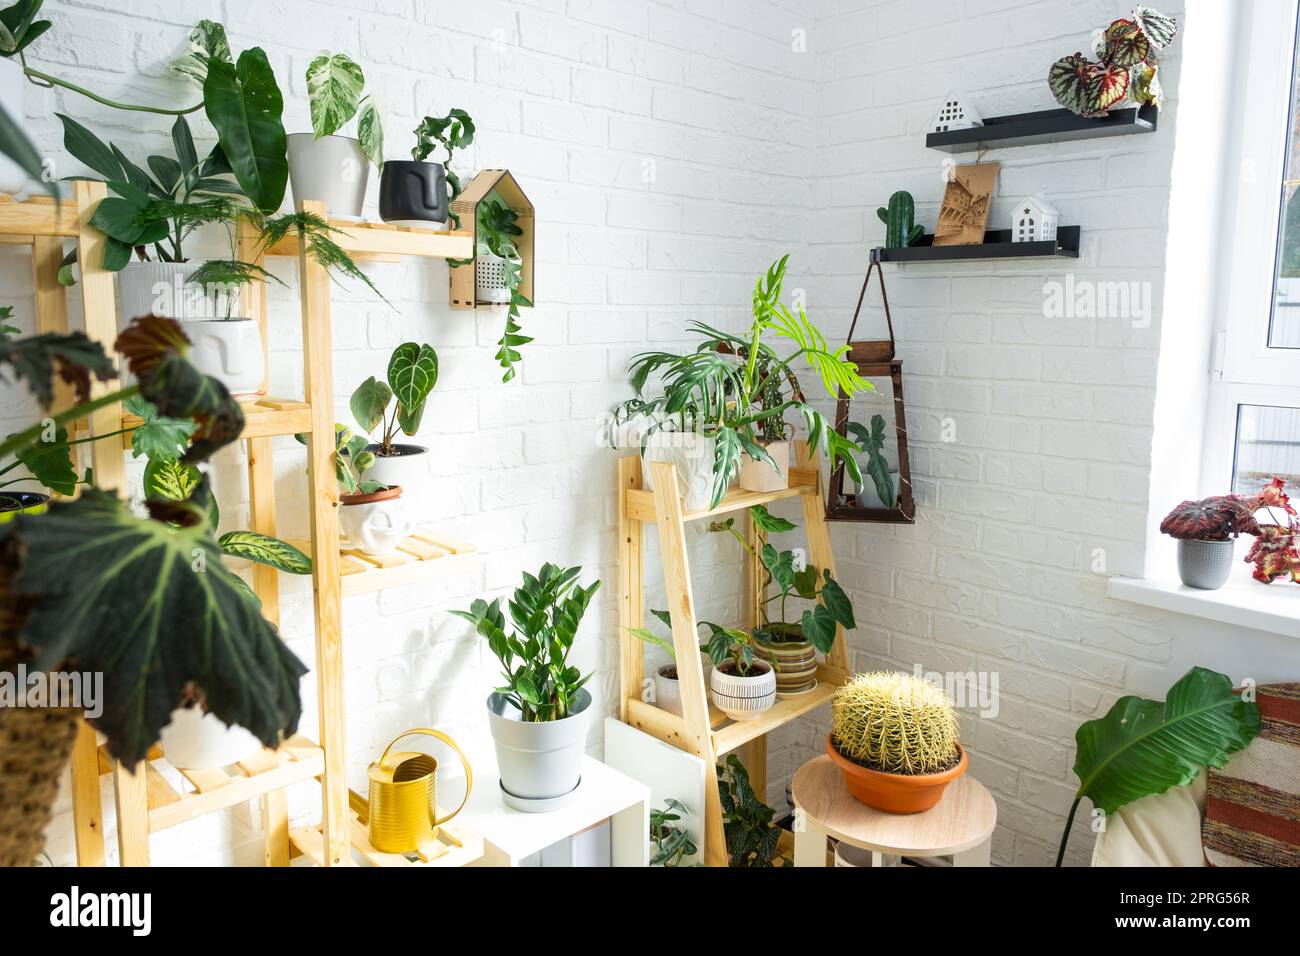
(455,844)
(1044,126)
(145,801)
(702,729)
(997,244)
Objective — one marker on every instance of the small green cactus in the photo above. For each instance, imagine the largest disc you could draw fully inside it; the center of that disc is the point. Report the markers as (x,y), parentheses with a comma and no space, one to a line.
(900,227)
(895,723)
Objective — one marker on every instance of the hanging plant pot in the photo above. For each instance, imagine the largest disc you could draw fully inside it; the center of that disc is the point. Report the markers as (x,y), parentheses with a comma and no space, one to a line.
(14,503)
(229,350)
(375,522)
(867,496)
(197,740)
(743,696)
(413,194)
(758,475)
(895,792)
(792,654)
(332,170)
(1204,564)
(490,278)
(406,466)
(538,760)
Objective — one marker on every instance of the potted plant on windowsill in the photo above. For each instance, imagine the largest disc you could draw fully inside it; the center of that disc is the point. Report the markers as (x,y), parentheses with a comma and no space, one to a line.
(540,714)
(397,404)
(414,192)
(323,165)
(894,738)
(1206,531)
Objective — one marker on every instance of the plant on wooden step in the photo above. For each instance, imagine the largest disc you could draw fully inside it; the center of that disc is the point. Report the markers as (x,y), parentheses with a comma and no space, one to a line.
(1143,747)
(666,645)
(452,132)
(873,443)
(752,837)
(1126,67)
(546,612)
(336,94)
(497,229)
(901,228)
(894,723)
(351,461)
(412,374)
(672,843)
(793,577)
(726,385)
(91,585)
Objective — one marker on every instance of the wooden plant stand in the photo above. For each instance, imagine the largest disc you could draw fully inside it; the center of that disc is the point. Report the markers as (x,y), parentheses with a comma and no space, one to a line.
(143,806)
(703,729)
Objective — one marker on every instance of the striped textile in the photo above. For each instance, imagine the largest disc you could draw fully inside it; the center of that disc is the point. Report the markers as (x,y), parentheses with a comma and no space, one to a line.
(1252,806)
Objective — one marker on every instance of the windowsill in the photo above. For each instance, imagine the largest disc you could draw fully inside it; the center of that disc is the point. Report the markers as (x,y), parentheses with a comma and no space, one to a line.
(1242,602)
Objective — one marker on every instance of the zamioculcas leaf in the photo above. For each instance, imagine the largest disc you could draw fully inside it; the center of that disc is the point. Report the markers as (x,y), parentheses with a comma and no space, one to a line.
(412,374)
(334,85)
(1142,747)
(76,358)
(1157,27)
(264,549)
(151,606)
(1085,87)
(1125,44)
(244,104)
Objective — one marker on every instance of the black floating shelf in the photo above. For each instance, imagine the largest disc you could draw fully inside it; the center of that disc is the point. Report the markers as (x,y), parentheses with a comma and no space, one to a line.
(1044,126)
(997,244)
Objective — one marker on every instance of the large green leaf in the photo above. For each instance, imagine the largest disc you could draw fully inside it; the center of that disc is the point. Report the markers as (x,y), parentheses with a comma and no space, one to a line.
(152,607)
(1143,747)
(836,601)
(412,374)
(819,627)
(265,549)
(244,104)
(334,85)
(779,564)
(158,437)
(368,403)
(726,462)
(89,149)
(764,520)
(50,463)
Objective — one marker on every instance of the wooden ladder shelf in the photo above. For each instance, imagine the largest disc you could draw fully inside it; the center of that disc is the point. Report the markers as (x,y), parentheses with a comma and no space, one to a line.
(702,729)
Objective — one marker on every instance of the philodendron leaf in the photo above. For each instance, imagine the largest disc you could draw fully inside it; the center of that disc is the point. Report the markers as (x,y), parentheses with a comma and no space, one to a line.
(152,607)
(412,374)
(766,521)
(819,627)
(726,462)
(265,549)
(837,602)
(780,565)
(207,41)
(334,85)
(244,104)
(370,132)
(368,403)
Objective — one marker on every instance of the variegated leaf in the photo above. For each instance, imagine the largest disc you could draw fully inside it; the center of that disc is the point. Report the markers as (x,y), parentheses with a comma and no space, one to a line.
(370,131)
(1157,27)
(334,85)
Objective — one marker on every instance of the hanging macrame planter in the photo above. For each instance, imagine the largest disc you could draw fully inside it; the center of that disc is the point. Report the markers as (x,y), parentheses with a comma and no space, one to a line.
(885,492)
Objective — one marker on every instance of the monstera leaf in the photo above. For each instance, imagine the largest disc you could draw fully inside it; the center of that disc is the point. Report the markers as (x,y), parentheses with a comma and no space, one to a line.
(1142,747)
(1085,87)
(244,104)
(412,374)
(334,85)
(150,605)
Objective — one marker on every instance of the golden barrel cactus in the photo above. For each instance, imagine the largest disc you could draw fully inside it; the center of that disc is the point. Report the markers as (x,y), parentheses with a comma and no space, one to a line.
(895,723)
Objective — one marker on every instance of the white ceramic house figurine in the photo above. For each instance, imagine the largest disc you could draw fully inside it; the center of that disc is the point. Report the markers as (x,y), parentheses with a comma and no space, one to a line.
(955,113)
(1035,220)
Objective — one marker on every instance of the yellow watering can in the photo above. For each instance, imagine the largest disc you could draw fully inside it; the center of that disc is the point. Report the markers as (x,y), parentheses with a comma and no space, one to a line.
(403,811)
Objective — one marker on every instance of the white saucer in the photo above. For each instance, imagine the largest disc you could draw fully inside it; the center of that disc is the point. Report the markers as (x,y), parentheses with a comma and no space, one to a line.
(538,804)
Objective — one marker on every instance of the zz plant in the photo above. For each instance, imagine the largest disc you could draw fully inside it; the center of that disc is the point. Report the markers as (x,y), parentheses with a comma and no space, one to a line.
(412,374)
(546,612)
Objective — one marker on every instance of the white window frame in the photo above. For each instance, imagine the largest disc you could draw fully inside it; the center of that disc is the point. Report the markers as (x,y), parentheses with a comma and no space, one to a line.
(1245,371)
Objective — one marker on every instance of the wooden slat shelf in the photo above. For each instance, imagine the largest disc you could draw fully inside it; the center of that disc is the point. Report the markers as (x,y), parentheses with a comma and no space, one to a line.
(1044,126)
(803,481)
(997,244)
(264,417)
(456,844)
(421,556)
(381,239)
(37,216)
(297,759)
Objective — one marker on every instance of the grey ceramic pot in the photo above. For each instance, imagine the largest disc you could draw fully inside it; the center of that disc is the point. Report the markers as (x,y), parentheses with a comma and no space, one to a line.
(1204,564)
(412,192)
(538,761)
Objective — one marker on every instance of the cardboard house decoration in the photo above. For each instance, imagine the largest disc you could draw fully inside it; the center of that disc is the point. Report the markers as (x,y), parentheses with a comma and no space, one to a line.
(1034,220)
(955,113)
(463,293)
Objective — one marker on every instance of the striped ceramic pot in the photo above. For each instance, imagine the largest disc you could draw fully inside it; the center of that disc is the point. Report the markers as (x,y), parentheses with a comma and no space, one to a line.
(794,657)
(743,697)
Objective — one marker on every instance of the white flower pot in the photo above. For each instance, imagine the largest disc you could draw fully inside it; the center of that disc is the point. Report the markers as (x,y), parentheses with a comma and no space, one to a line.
(230,350)
(161,289)
(490,279)
(538,760)
(760,476)
(377,522)
(332,170)
(692,456)
(668,691)
(12,82)
(743,698)
(407,469)
(195,740)
(865,490)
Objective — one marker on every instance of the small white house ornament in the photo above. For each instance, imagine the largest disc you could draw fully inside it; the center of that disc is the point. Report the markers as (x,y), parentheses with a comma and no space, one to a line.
(955,113)
(1034,220)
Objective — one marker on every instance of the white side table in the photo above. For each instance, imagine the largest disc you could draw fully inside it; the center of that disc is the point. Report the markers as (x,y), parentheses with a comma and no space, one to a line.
(509,835)
(960,824)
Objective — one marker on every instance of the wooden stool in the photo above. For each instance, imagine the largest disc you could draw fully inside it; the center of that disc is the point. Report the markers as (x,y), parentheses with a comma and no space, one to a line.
(960,824)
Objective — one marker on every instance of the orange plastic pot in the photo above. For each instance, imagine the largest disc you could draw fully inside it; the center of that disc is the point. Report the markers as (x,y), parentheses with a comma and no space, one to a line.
(894,792)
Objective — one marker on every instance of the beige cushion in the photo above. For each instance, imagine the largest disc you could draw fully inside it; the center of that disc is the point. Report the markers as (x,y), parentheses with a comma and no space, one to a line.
(1160,830)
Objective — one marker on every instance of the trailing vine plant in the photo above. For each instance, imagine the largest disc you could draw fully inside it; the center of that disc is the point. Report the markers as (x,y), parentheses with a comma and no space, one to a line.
(497,226)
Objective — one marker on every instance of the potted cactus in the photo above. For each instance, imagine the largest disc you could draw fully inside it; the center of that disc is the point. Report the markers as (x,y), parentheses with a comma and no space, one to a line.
(894,737)
(1205,531)
(901,228)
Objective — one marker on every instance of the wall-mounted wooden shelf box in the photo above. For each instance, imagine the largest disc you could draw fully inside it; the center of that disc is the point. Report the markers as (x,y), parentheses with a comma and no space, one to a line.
(997,244)
(464,290)
(1044,126)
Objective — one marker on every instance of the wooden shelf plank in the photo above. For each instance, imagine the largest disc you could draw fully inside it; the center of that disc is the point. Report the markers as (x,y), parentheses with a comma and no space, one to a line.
(803,481)
(997,244)
(456,846)
(734,735)
(376,239)
(264,417)
(1043,126)
(37,216)
(423,555)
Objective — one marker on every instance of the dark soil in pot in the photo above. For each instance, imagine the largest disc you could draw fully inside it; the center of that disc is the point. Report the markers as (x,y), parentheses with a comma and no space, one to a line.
(396,450)
(756,669)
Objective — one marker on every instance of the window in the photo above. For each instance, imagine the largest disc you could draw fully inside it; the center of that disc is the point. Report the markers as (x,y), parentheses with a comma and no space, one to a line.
(1254,415)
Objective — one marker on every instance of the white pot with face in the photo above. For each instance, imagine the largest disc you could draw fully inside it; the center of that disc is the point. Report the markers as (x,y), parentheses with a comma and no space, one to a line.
(375,522)
(162,289)
(12,177)
(691,454)
(196,740)
(332,170)
(230,350)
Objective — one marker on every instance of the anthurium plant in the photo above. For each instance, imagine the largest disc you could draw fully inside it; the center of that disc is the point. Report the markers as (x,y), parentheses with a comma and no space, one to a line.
(336,92)
(1126,67)
(546,612)
(412,374)
(726,387)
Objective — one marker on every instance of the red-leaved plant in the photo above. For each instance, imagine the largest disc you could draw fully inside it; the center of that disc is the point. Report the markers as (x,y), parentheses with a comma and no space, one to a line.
(1211,519)
(1276,551)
